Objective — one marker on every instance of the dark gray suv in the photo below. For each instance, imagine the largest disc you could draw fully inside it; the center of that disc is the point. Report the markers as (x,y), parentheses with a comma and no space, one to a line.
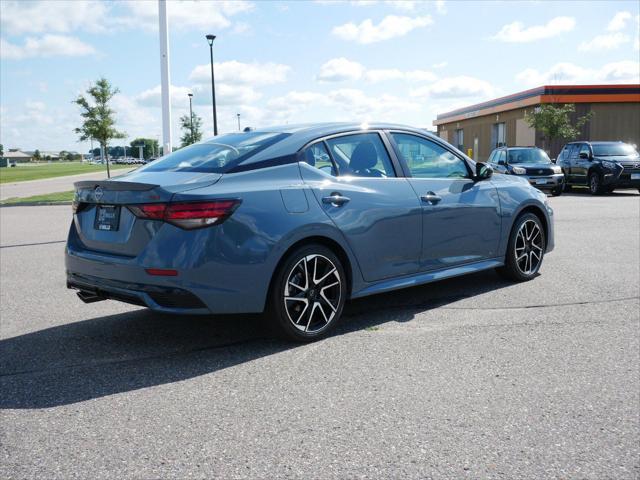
(601,166)
(531,163)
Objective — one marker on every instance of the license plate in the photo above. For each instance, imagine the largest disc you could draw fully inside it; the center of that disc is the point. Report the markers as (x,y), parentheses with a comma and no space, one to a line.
(107,218)
(541,181)
(635,176)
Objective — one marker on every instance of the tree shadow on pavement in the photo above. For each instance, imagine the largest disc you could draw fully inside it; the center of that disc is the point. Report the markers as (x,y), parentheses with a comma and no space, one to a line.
(120,353)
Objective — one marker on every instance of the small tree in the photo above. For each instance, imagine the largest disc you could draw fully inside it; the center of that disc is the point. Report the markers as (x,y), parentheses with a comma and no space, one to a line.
(554,122)
(98,117)
(36,155)
(149,147)
(190,133)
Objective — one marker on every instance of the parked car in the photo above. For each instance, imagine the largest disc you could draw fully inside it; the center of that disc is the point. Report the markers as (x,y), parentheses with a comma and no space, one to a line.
(298,219)
(531,163)
(601,166)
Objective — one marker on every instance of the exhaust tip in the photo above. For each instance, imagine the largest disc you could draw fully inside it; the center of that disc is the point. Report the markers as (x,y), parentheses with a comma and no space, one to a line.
(89,297)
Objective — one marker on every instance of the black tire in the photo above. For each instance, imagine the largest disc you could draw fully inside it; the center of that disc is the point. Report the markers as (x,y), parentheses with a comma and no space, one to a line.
(567,187)
(595,185)
(556,192)
(515,269)
(307,292)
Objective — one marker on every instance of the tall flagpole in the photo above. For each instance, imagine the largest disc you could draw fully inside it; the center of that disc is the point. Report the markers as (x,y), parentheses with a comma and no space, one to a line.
(165,79)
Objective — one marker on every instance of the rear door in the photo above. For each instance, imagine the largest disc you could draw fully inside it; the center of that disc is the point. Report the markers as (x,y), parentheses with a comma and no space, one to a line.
(580,166)
(461,217)
(359,187)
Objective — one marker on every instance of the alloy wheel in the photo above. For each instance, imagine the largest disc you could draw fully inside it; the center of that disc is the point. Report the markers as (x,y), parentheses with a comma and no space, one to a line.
(312,293)
(594,184)
(529,246)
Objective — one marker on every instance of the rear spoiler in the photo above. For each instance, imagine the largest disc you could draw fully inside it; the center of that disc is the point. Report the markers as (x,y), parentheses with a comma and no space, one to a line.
(112,185)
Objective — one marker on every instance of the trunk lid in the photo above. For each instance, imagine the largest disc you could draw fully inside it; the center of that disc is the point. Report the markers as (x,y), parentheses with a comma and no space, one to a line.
(105,224)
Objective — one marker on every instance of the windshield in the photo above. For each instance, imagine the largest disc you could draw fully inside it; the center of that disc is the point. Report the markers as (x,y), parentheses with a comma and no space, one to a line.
(216,155)
(528,155)
(613,149)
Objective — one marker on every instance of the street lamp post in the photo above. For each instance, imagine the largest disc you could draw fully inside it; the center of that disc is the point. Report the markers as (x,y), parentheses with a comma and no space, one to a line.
(238,121)
(191,115)
(210,39)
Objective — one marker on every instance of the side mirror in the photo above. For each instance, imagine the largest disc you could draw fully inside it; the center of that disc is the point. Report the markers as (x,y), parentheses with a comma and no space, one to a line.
(502,162)
(554,160)
(483,171)
(584,155)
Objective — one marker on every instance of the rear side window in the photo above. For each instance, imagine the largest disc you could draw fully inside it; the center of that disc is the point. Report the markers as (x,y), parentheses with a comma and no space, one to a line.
(427,159)
(216,155)
(361,155)
(317,156)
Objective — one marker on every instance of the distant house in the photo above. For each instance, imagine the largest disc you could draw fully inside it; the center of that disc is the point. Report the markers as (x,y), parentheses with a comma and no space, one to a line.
(17,156)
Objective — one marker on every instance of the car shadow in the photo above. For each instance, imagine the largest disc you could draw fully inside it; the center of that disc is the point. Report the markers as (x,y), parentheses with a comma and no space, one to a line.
(119,353)
(584,191)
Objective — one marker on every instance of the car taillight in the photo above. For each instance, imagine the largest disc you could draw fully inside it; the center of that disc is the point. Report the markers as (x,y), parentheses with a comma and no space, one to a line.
(188,215)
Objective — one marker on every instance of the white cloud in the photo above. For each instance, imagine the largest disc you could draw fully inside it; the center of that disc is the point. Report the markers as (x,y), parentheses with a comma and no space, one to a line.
(441,7)
(391,26)
(516,32)
(20,17)
(45,46)
(242,73)
(226,94)
(607,41)
(619,21)
(381,75)
(184,14)
(440,64)
(455,87)
(339,70)
(626,71)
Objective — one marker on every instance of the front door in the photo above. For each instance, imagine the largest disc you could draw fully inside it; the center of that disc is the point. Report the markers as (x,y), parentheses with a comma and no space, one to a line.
(355,182)
(461,217)
(581,164)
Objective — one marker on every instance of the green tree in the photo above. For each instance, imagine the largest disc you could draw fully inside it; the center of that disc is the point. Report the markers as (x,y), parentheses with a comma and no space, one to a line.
(554,122)
(150,147)
(190,133)
(1,150)
(36,155)
(98,117)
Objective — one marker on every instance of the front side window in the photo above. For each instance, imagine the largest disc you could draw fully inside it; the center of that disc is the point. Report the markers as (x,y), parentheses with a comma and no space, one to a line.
(216,155)
(585,149)
(361,155)
(427,159)
(502,157)
(317,156)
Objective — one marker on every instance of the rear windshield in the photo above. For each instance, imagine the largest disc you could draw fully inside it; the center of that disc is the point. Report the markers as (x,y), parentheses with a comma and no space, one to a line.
(217,155)
(528,155)
(613,149)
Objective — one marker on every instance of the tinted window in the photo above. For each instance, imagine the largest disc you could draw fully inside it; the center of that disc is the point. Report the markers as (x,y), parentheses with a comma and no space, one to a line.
(427,159)
(584,148)
(528,155)
(575,148)
(361,155)
(613,149)
(502,157)
(492,157)
(215,155)
(317,156)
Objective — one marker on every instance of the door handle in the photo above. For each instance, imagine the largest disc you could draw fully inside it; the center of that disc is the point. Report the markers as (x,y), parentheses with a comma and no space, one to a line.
(431,198)
(335,199)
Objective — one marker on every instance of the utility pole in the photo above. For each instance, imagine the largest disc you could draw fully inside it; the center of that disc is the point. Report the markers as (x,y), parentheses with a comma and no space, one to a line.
(210,38)
(191,115)
(164,74)
(238,121)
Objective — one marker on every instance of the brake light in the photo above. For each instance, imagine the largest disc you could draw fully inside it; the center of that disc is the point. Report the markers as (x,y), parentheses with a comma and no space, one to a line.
(188,215)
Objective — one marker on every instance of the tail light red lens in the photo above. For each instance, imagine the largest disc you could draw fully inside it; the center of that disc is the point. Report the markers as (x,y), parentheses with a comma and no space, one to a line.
(188,215)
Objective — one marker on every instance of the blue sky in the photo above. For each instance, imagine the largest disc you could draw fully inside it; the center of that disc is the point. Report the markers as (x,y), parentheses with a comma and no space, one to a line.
(289,62)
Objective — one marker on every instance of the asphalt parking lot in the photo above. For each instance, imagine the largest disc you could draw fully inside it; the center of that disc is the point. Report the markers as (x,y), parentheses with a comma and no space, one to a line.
(467,378)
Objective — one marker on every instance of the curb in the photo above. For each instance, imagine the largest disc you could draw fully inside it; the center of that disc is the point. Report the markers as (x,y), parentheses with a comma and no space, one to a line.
(32,204)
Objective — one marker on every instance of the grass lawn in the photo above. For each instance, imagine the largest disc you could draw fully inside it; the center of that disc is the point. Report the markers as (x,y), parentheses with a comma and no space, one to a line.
(46,198)
(49,170)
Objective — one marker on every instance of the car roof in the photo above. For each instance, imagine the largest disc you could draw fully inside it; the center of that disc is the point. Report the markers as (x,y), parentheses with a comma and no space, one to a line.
(610,142)
(300,135)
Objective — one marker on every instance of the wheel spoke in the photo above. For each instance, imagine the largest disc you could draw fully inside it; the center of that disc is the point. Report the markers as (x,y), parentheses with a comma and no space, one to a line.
(319,281)
(313,309)
(324,297)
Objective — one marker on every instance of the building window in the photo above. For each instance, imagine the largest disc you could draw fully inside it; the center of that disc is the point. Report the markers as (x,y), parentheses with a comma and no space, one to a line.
(459,139)
(498,135)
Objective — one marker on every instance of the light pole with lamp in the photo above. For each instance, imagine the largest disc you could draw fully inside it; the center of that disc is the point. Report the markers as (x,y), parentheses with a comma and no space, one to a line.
(238,121)
(210,39)
(190,95)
